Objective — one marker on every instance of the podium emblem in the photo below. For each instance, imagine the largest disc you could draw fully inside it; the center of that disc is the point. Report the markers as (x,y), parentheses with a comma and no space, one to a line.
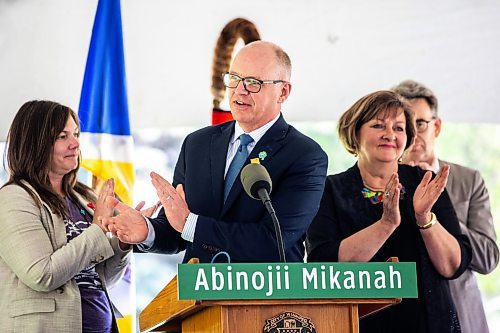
(289,322)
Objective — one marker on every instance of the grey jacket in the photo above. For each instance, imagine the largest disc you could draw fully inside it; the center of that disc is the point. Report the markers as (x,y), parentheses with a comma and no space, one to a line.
(470,199)
(37,265)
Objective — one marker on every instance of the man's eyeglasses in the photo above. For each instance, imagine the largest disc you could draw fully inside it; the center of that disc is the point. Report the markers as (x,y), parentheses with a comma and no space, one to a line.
(252,85)
(422,124)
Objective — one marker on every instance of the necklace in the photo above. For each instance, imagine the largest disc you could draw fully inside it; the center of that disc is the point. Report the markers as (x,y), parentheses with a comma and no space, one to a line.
(375,197)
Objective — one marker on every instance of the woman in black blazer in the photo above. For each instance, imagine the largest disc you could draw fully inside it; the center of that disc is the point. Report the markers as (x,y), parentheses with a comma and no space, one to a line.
(379,209)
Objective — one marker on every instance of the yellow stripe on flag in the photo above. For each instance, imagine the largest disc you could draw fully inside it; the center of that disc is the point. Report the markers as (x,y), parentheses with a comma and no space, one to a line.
(125,324)
(121,172)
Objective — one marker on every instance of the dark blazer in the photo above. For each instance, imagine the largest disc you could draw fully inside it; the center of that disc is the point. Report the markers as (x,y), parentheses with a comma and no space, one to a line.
(241,226)
(344,211)
(470,198)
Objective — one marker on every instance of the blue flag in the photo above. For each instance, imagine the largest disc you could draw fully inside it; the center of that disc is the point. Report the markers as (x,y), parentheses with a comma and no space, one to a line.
(106,140)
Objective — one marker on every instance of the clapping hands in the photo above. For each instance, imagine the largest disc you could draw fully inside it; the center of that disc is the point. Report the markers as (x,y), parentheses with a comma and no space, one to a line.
(101,209)
(428,191)
(173,201)
(392,192)
(130,226)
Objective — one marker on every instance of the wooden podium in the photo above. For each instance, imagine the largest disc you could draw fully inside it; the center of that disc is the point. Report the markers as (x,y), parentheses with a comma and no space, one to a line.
(166,313)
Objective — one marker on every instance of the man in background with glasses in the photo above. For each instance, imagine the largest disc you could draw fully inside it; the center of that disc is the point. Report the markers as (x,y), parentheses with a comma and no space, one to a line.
(470,199)
(206,210)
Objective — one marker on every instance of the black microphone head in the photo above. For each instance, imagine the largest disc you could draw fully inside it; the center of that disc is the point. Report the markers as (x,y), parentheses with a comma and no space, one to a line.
(255,177)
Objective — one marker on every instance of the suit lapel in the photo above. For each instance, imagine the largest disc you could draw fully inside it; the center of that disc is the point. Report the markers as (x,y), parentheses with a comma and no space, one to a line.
(270,143)
(267,147)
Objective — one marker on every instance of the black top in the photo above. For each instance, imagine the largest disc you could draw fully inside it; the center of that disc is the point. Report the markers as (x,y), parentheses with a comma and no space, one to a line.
(344,211)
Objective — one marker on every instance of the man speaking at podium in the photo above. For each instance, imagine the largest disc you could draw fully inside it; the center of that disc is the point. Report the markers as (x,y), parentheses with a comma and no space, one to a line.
(206,211)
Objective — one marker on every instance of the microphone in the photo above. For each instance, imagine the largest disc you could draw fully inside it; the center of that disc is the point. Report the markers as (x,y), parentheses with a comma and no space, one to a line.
(258,185)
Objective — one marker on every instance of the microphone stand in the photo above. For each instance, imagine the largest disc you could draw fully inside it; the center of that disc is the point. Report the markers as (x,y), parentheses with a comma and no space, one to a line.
(264,196)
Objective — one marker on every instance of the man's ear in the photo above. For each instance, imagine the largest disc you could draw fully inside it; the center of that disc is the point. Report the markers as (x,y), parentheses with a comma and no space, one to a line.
(285,92)
(437,127)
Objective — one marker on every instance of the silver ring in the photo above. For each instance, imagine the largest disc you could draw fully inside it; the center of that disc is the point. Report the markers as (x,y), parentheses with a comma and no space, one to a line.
(386,194)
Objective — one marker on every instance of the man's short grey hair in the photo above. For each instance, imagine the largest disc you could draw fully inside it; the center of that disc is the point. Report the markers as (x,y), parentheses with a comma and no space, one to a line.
(410,89)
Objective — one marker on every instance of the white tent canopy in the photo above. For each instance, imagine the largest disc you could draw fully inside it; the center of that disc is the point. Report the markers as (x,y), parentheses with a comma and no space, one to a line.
(340,50)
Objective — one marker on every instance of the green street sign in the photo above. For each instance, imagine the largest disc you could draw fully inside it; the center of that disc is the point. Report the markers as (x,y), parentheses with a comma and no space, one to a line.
(297,280)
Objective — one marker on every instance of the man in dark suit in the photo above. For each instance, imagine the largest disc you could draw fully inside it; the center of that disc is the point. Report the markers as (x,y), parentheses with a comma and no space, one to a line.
(470,199)
(204,212)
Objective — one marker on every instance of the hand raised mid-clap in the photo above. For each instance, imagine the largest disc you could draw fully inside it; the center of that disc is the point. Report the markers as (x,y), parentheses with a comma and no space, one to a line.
(428,191)
(101,209)
(173,201)
(392,190)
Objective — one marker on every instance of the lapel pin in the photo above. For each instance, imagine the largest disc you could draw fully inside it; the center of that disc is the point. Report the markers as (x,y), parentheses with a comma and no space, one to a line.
(262,155)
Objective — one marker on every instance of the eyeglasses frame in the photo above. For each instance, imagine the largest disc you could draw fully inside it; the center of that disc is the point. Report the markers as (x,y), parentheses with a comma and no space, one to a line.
(242,79)
(426,123)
